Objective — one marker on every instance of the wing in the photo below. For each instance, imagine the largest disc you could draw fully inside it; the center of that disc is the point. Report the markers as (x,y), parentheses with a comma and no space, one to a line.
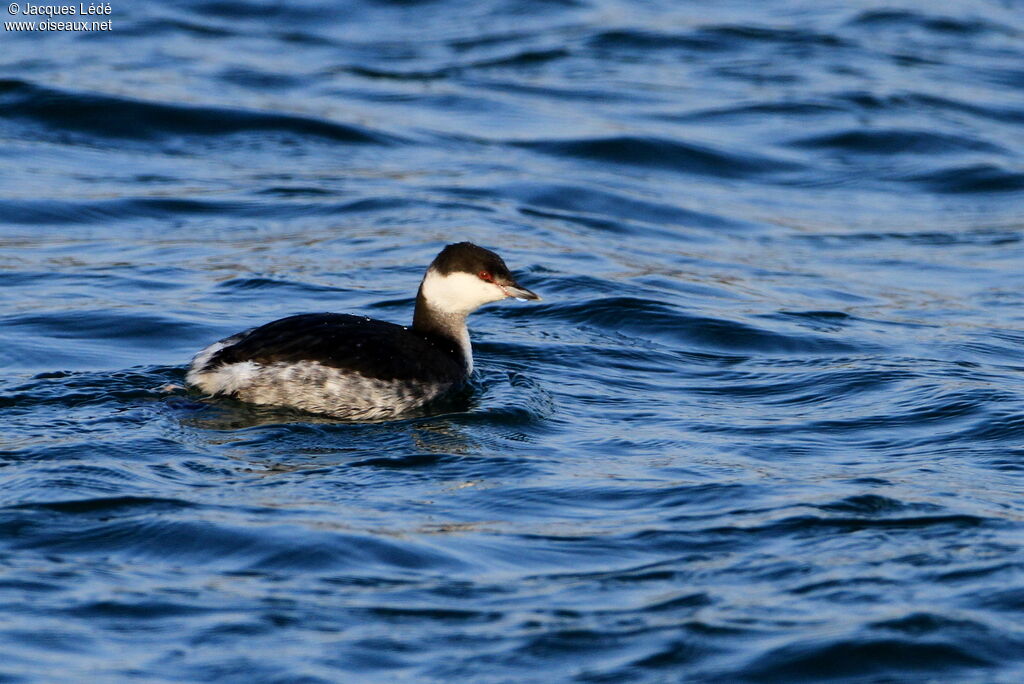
(371,348)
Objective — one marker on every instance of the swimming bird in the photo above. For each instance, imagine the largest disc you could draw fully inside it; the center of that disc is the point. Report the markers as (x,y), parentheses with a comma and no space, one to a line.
(360,368)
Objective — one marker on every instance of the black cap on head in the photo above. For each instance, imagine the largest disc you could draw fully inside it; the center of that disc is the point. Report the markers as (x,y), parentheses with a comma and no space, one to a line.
(469,258)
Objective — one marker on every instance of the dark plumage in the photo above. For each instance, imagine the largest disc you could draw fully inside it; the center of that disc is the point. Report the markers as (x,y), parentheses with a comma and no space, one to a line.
(357,344)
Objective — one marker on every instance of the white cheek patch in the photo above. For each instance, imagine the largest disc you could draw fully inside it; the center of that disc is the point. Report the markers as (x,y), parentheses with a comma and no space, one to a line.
(459,293)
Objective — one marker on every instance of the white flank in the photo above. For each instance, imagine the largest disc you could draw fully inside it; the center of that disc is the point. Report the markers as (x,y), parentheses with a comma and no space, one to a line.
(226,379)
(206,381)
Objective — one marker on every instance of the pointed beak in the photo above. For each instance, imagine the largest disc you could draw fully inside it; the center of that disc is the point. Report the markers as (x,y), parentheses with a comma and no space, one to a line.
(514,289)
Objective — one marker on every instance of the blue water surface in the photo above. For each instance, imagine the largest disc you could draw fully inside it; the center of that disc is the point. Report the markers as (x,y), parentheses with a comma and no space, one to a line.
(767,424)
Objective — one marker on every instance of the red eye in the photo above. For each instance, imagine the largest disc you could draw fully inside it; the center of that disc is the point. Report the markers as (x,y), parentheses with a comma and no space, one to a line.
(485,275)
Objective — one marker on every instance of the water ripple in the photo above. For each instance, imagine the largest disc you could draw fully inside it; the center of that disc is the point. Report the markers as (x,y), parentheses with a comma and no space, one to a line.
(670,155)
(123,118)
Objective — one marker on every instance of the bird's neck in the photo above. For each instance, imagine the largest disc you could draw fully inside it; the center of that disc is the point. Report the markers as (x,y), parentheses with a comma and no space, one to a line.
(451,327)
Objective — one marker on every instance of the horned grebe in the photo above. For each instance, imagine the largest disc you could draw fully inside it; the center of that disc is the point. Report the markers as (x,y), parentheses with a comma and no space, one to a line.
(356,367)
